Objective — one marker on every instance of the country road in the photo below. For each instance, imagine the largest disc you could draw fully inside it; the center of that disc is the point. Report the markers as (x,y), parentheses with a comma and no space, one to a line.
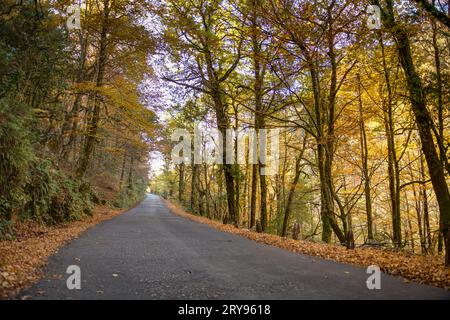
(150,253)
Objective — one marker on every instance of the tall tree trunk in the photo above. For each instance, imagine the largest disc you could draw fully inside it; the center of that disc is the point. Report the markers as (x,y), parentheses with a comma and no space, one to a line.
(328,140)
(364,165)
(181,169)
(287,209)
(393,169)
(254,190)
(426,214)
(229,175)
(409,224)
(245,213)
(349,235)
(194,186)
(418,207)
(122,171)
(258,72)
(95,118)
(263,190)
(71,122)
(237,170)
(207,191)
(439,98)
(324,148)
(424,124)
(439,107)
(130,173)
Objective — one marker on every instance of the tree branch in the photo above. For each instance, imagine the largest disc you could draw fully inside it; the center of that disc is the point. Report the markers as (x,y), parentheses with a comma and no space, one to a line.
(431,9)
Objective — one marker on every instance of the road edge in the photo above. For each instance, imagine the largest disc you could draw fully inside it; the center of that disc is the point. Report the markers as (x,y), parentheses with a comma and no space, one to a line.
(18,273)
(428,270)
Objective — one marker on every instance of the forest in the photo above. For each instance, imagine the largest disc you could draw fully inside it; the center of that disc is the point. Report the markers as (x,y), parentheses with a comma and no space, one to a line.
(361,106)
(357,92)
(74,127)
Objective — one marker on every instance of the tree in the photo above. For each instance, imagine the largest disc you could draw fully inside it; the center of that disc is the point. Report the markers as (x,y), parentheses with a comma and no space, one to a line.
(423,121)
(198,32)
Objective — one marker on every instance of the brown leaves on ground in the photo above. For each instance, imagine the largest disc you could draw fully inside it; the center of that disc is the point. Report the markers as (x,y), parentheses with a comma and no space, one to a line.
(420,268)
(21,259)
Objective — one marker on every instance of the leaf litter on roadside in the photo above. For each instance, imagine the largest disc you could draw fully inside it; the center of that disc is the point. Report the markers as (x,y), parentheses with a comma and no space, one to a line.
(21,259)
(426,269)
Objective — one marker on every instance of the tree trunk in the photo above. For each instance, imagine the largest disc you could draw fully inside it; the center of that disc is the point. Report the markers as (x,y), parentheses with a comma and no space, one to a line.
(181,168)
(328,140)
(71,122)
(394,183)
(291,194)
(324,145)
(418,205)
(253,195)
(424,123)
(262,183)
(258,73)
(95,118)
(207,191)
(194,186)
(223,125)
(122,171)
(365,168)
(130,173)
(426,214)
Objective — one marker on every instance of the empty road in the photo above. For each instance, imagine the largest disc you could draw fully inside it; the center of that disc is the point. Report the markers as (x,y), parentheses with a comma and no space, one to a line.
(150,253)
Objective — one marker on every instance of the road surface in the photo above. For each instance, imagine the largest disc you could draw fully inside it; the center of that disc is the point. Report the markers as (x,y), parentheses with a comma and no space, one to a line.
(150,253)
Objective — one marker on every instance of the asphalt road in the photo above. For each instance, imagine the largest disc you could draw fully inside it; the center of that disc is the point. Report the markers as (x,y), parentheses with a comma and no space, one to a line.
(150,253)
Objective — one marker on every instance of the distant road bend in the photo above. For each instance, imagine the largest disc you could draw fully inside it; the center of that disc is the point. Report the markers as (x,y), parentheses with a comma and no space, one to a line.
(150,253)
